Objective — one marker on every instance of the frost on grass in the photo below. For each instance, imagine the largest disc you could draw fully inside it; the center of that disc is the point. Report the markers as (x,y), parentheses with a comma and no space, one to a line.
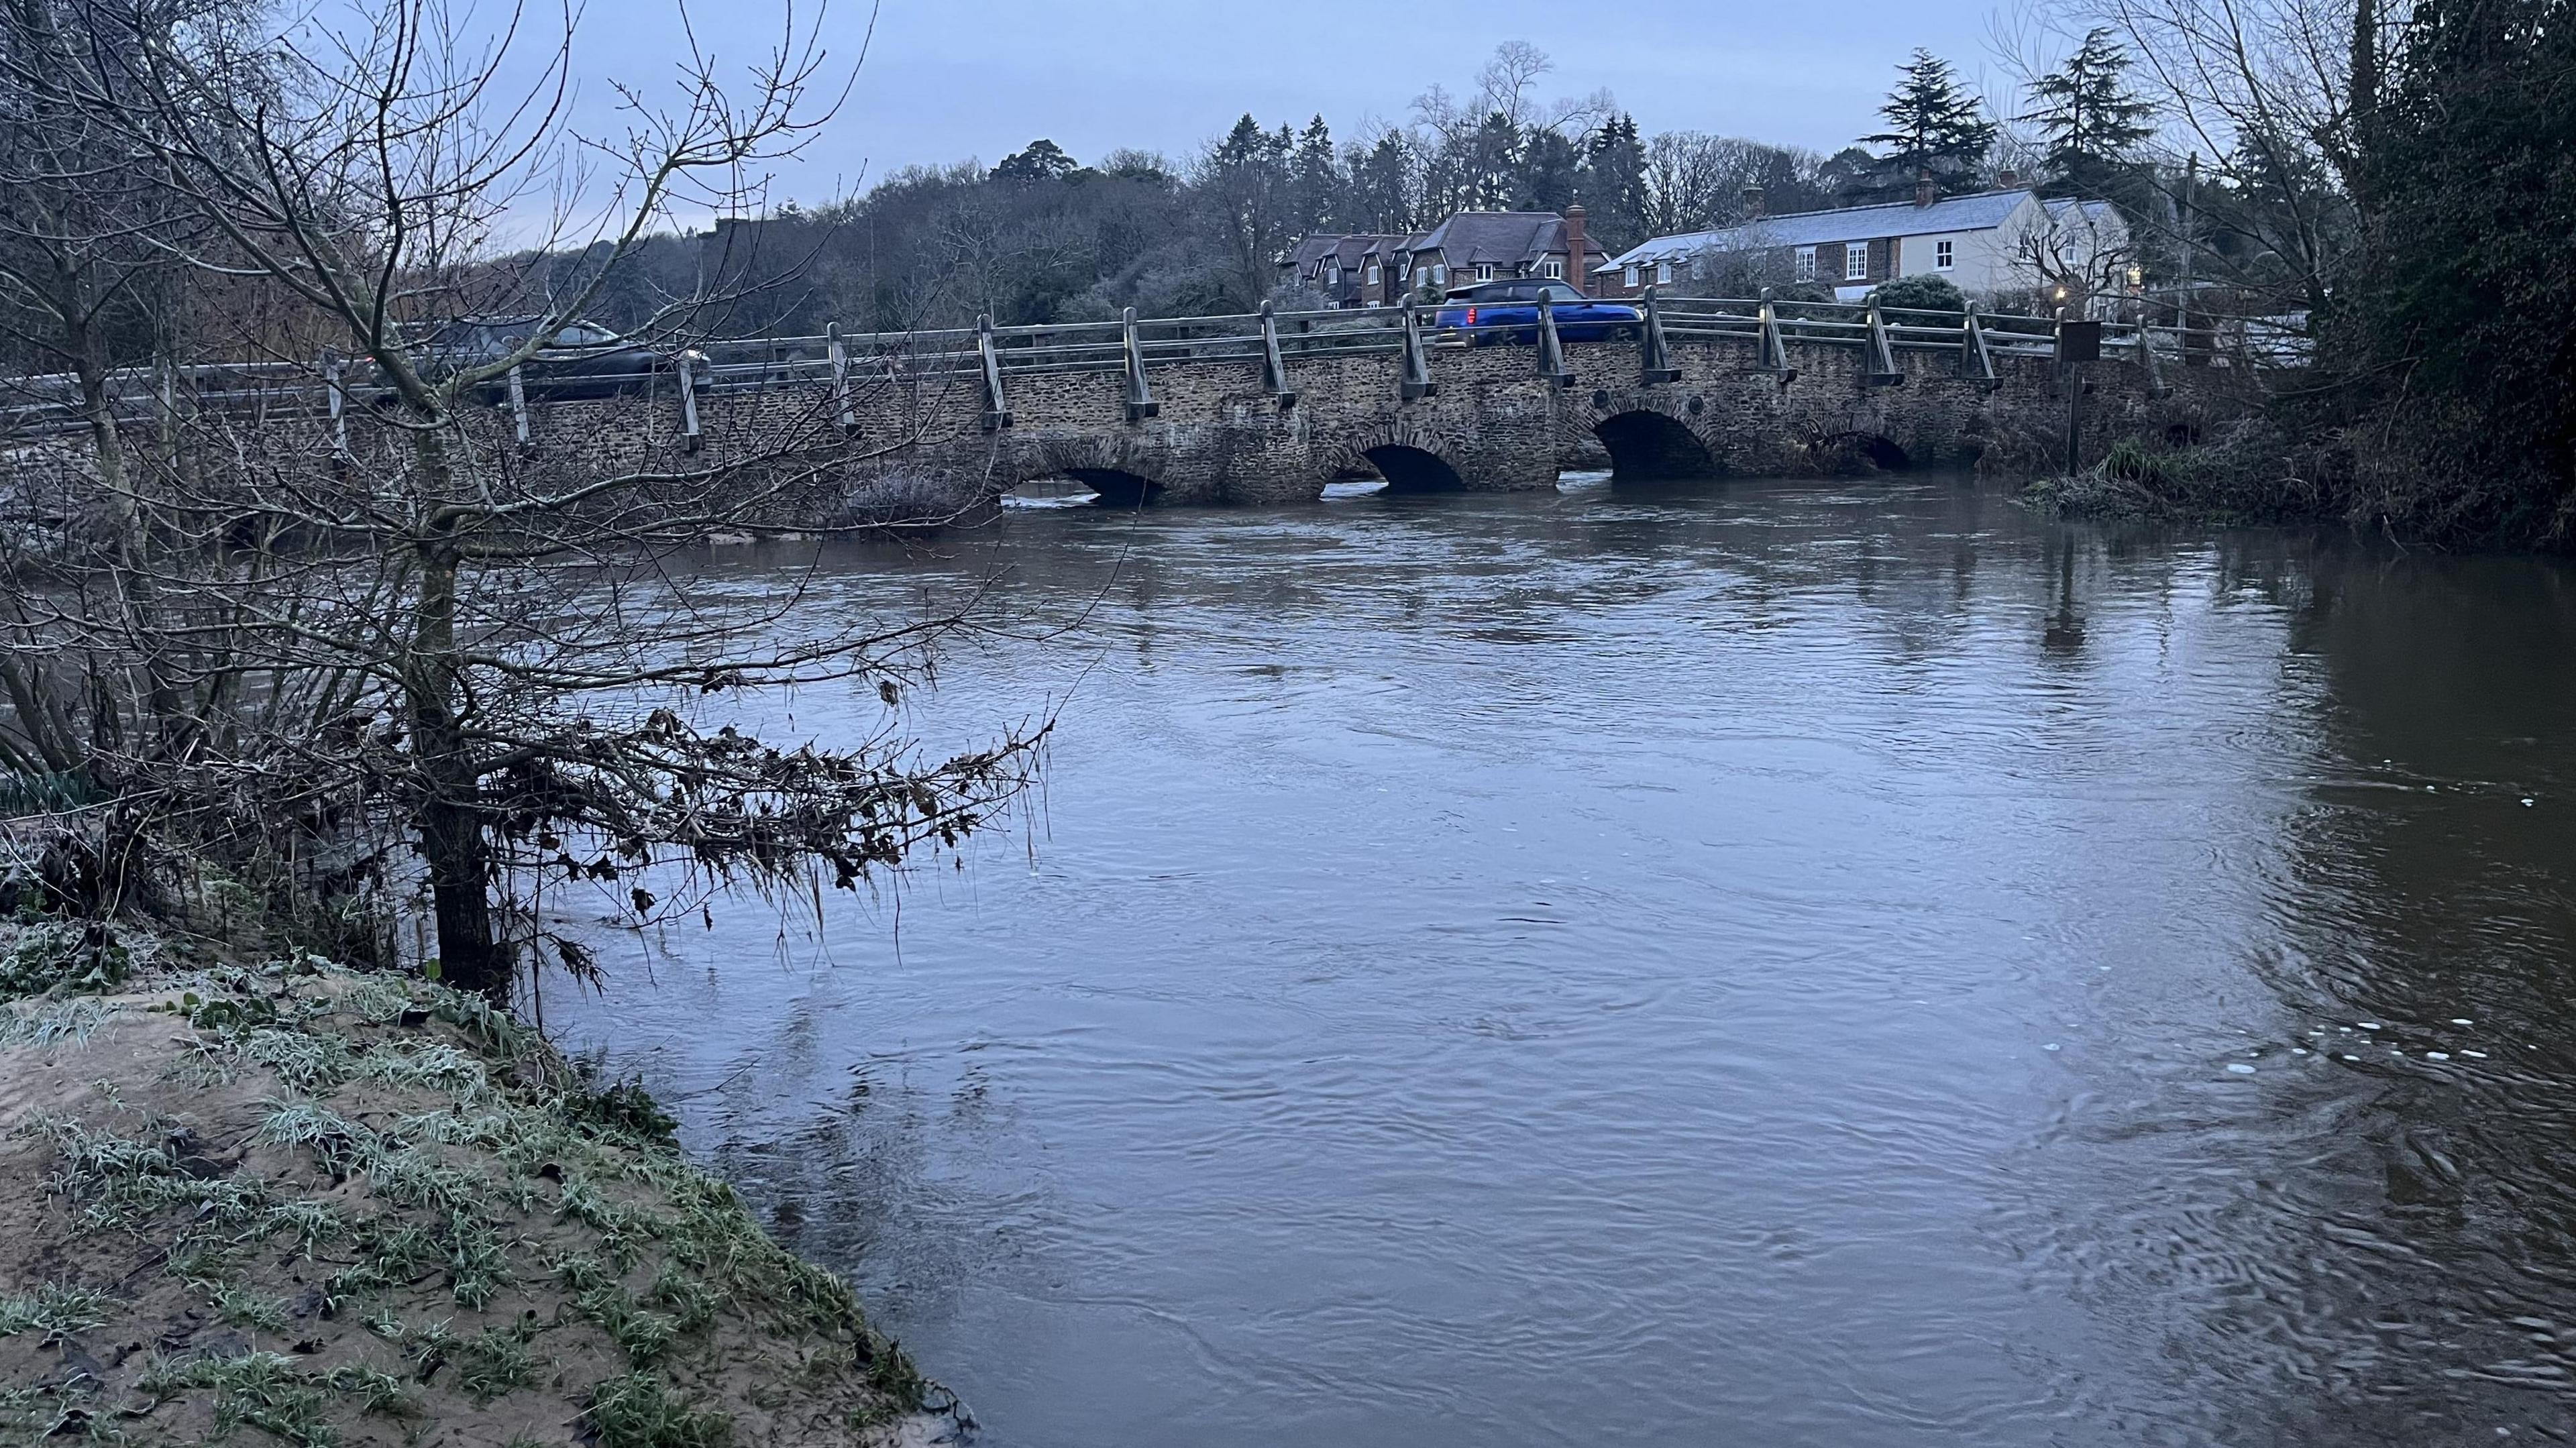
(371,1210)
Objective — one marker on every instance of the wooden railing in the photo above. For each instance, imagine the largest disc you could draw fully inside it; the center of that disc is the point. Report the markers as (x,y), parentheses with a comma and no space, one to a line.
(1270,344)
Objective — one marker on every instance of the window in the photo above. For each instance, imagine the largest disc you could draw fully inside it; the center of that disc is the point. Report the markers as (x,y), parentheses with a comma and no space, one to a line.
(1552,268)
(1856,261)
(1484,271)
(1439,275)
(1663,273)
(1632,274)
(1942,257)
(1332,276)
(1373,277)
(1803,266)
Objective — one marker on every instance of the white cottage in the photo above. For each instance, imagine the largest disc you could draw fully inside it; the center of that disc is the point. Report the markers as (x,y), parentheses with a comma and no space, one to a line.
(1989,243)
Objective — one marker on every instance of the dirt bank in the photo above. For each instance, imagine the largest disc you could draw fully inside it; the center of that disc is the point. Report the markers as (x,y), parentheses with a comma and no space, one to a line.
(290,1203)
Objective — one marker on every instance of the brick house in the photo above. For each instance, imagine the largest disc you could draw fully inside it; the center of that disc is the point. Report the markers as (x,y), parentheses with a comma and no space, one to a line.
(1363,270)
(1988,244)
(1472,246)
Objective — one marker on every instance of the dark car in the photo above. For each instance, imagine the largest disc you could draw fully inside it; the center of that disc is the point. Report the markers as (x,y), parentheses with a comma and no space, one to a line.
(1508,312)
(583,359)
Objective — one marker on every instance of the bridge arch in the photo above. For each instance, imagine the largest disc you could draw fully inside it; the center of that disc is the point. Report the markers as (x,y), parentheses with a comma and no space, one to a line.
(1846,453)
(1122,474)
(1412,458)
(1116,489)
(1654,435)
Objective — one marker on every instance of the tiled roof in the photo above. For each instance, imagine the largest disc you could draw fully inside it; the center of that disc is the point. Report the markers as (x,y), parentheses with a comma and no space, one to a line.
(1504,238)
(1980,211)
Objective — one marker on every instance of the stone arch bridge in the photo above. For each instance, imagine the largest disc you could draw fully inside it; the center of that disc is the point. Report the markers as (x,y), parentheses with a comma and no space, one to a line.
(1271,407)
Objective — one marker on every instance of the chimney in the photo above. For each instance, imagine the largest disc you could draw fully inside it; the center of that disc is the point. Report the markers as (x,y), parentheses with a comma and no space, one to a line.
(2007,178)
(1575,259)
(1752,203)
(1925,193)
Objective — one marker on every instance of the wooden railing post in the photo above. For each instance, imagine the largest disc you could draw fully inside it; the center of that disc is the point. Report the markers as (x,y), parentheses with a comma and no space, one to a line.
(688,402)
(339,403)
(1140,395)
(1551,349)
(1976,362)
(1654,356)
(997,412)
(1274,367)
(1417,383)
(1883,371)
(840,354)
(1771,349)
(2149,363)
(519,404)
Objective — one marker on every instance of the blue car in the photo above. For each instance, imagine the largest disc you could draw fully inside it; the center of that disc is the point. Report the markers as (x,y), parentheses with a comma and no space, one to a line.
(1508,312)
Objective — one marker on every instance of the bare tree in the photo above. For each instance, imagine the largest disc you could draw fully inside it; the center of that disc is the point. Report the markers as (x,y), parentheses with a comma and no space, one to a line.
(2267,99)
(497,652)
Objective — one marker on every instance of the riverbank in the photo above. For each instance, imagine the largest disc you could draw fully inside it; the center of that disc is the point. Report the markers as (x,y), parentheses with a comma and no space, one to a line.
(351,1208)
(2252,471)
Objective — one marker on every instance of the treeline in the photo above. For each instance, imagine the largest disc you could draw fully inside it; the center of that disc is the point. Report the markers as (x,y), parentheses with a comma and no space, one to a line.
(1043,236)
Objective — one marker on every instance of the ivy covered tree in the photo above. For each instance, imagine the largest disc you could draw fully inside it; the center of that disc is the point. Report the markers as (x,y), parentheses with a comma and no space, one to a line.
(1934,128)
(2458,376)
(2089,122)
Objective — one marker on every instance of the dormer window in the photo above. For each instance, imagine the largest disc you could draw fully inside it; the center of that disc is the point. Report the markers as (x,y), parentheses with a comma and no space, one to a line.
(1373,275)
(1663,273)
(1552,269)
(1484,271)
(1332,276)
(1632,274)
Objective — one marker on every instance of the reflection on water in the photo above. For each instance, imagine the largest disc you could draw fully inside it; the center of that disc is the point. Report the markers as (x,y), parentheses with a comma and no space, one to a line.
(1798,964)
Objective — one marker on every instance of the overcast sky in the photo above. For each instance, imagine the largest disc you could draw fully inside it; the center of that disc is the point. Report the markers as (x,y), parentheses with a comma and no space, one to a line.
(949,79)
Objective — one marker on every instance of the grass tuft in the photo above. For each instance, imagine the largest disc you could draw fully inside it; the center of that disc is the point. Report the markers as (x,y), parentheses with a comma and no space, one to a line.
(639,1411)
(54,1312)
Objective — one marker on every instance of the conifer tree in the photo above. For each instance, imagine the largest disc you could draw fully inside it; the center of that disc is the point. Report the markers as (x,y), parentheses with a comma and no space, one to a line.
(1934,128)
(1316,177)
(2089,119)
(1612,183)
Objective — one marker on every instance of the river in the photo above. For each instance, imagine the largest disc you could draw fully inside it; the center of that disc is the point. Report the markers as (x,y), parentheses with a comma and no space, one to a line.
(1799,963)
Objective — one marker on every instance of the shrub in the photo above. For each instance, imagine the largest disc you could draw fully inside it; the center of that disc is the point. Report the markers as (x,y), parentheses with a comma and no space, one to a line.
(1921,292)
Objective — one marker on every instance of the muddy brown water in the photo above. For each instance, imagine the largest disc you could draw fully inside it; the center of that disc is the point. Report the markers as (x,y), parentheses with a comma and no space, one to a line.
(1766,963)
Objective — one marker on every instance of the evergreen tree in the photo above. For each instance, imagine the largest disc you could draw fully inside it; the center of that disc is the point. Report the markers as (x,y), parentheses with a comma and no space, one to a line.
(1612,183)
(1934,128)
(1381,187)
(2088,118)
(1042,161)
(1547,172)
(1848,177)
(1487,170)
(1247,189)
(1316,179)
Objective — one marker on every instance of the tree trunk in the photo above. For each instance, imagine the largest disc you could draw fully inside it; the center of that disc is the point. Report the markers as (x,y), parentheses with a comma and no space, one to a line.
(449,818)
